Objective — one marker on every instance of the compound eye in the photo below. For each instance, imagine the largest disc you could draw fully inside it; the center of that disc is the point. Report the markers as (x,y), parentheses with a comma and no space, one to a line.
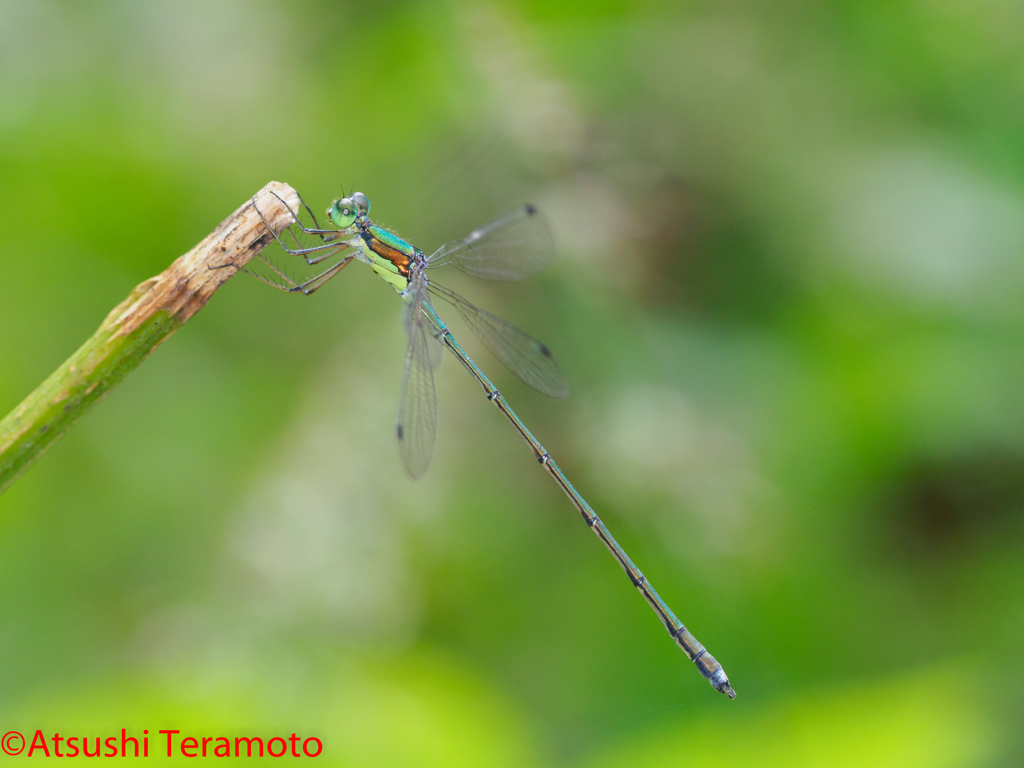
(343,212)
(362,202)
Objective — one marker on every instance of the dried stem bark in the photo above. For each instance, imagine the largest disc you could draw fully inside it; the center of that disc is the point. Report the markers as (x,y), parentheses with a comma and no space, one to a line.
(135,327)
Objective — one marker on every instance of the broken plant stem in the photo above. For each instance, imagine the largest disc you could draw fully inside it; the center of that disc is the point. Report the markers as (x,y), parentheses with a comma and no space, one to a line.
(135,327)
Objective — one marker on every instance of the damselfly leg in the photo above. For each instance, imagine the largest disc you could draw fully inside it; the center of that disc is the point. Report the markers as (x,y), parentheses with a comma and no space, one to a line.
(306,288)
(328,236)
(328,244)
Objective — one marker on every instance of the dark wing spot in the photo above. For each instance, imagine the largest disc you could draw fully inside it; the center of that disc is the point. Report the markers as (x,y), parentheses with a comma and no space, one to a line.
(545,351)
(530,210)
(399,431)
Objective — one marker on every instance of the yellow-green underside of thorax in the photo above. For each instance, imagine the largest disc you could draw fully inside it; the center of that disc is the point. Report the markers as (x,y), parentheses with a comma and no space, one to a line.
(384,268)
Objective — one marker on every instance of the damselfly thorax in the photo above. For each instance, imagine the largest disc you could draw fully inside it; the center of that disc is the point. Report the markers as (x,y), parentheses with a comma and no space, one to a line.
(388,255)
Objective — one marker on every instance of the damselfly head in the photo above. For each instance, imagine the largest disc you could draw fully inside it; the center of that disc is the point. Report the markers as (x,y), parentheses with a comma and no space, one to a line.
(343,212)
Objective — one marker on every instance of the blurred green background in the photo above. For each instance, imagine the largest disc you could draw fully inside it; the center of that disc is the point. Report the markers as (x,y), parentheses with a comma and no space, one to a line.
(787,299)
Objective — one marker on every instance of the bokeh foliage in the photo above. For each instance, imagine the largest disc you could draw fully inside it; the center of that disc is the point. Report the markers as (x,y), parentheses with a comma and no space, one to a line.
(787,301)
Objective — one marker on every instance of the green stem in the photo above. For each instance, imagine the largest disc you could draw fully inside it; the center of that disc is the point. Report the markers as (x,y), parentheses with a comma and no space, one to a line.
(151,313)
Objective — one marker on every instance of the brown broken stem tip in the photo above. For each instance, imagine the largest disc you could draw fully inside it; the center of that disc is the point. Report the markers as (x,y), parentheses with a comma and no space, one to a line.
(135,327)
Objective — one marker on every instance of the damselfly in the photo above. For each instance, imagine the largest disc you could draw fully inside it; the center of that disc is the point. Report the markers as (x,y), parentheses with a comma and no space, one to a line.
(513,247)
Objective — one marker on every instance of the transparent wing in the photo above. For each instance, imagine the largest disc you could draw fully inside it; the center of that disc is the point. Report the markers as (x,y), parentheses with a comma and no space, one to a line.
(417,405)
(511,248)
(435,347)
(525,356)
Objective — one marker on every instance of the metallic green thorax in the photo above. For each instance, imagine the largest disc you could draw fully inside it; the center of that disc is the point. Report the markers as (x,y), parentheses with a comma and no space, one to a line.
(389,255)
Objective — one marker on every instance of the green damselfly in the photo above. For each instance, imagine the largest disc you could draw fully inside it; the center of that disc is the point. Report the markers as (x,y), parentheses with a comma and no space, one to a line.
(510,248)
